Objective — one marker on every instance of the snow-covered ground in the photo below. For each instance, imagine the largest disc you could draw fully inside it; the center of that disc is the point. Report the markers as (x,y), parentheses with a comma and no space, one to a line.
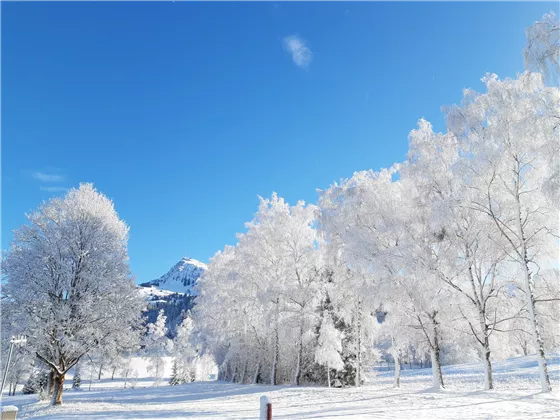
(517,397)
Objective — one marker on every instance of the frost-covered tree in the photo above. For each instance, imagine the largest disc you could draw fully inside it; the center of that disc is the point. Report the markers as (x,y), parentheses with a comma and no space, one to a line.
(508,130)
(20,368)
(280,244)
(110,356)
(67,280)
(77,379)
(329,347)
(37,382)
(394,329)
(470,262)
(270,279)
(184,368)
(127,370)
(381,226)
(360,255)
(157,346)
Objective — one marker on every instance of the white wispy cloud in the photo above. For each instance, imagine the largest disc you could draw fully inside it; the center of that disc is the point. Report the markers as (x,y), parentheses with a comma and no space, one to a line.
(52,189)
(47,177)
(301,54)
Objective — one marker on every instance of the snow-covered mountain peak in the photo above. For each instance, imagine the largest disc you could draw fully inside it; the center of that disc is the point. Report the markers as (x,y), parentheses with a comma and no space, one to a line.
(181,278)
(185,261)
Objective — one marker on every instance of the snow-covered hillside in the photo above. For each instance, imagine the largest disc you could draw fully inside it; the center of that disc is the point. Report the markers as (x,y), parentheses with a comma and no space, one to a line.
(180,279)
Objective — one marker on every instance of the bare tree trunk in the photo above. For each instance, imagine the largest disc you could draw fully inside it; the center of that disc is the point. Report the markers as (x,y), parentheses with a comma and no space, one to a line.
(436,369)
(244,374)
(478,300)
(51,382)
(436,361)
(397,357)
(297,375)
(273,373)
(257,376)
(274,370)
(113,373)
(225,376)
(100,370)
(359,346)
(543,367)
(488,382)
(234,376)
(524,347)
(58,389)
(329,375)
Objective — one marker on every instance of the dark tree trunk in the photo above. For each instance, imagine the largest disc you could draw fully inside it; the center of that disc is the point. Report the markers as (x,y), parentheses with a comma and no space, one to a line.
(436,360)
(257,376)
(489,383)
(436,365)
(359,346)
(524,347)
(297,377)
(51,382)
(58,389)
(274,370)
(397,379)
(244,375)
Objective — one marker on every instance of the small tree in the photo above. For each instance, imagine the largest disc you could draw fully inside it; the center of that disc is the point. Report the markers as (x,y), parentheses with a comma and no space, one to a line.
(126,369)
(77,379)
(37,383)
(184,354)
(329,347)
(157,345)
(176,378)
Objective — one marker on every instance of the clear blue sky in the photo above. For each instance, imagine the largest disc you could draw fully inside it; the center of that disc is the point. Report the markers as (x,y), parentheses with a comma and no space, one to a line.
(183,112)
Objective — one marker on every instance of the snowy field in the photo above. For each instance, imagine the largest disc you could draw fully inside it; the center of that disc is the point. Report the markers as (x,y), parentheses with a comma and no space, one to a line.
(517,397)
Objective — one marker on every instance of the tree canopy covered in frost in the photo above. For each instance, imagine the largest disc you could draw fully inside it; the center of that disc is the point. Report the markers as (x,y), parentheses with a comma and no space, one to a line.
(67,282)
(454,247)
(542,52)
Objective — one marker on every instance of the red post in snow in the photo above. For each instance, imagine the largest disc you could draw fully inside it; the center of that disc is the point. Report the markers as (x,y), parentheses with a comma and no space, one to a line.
(269,411)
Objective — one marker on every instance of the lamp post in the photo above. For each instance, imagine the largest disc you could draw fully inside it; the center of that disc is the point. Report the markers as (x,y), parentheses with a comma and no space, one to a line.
(17,340)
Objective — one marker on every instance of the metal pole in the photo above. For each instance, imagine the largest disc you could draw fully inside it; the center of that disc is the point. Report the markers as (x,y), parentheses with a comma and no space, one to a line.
(7,366)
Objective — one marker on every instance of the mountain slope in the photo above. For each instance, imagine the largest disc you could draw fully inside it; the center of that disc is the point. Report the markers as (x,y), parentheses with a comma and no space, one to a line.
(181,278)
(173,292)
